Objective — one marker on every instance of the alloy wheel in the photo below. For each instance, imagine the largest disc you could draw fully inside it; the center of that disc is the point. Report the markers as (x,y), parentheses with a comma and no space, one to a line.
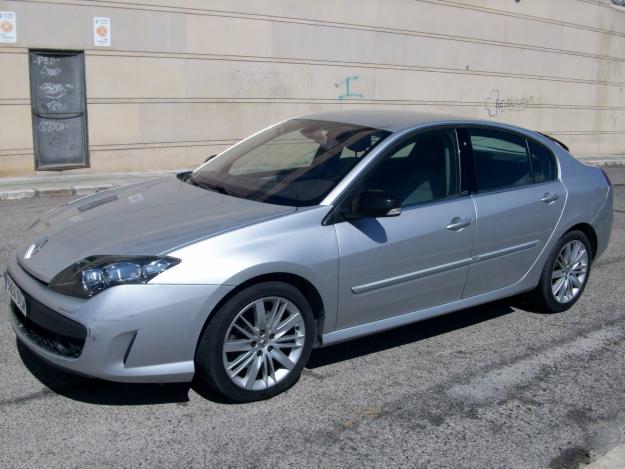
(263,343)
(569,272)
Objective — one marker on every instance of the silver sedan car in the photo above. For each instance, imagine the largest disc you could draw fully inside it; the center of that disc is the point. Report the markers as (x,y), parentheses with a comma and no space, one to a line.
(311,232)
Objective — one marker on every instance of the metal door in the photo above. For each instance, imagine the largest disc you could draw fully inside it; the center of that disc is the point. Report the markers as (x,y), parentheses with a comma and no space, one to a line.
(57,86)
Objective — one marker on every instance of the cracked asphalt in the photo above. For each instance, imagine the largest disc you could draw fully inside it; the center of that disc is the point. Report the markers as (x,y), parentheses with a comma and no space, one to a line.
(493,386)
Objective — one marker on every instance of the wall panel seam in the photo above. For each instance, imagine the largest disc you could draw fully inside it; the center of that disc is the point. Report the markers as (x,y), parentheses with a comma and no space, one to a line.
(245,15)
(337,25)
(540,19)
(123,146)
(25,151)
(278,100)
(184,144)
(4,49)
(215,141)
(599,3)
(287,100)
(345,64)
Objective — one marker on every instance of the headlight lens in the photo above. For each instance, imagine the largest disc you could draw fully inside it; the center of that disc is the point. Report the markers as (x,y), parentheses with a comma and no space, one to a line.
(93,274)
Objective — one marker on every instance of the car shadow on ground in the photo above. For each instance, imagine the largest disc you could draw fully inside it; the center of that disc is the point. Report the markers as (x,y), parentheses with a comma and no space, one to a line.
(95,391)
(412,333)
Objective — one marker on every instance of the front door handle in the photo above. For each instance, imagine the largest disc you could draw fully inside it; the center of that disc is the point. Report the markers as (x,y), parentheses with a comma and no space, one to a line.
(458,223)
(549,198)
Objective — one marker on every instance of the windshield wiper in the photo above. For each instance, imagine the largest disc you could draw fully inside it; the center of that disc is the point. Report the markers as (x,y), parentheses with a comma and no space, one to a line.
(210,187)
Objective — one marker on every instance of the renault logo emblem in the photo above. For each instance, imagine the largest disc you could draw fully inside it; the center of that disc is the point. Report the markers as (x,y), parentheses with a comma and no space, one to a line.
(35,248)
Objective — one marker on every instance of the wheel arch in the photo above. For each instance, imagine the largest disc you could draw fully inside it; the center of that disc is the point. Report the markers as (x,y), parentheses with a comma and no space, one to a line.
(590,233)
(310,292)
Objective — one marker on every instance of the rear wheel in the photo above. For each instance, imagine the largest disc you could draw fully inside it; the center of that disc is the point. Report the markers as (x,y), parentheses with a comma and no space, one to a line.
(565,274)
(257,343)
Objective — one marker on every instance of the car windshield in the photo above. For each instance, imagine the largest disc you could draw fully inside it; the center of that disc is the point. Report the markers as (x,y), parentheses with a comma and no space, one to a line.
(296,163)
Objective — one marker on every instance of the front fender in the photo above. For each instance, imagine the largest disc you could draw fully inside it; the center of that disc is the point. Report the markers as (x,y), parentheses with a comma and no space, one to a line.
(296,244)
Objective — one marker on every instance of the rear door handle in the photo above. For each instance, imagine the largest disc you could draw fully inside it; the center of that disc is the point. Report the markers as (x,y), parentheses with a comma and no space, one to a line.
(549,198)
(458,223)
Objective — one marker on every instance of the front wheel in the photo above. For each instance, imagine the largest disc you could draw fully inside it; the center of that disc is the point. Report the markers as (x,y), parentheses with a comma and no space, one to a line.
(565,274)
(257,343)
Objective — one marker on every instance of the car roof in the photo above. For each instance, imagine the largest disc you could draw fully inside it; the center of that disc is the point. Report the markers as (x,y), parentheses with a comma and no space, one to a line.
(395,121)
(389,120)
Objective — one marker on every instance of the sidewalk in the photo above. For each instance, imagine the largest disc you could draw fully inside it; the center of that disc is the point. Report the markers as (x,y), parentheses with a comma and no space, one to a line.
(614,459)
(57,185)
(596,160)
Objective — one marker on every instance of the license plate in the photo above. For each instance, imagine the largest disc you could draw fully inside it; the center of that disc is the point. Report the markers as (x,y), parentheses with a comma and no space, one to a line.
(15,293)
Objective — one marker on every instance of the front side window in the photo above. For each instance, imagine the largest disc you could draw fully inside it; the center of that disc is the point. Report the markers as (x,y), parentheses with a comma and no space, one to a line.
(501,160)
(419,170)
(543,163)
(296,163)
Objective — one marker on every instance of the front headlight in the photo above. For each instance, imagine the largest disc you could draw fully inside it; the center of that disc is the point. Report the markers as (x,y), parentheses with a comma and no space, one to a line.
(93,274)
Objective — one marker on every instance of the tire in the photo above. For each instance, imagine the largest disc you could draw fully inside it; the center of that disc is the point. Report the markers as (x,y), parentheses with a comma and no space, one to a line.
(543,296)
(234,338)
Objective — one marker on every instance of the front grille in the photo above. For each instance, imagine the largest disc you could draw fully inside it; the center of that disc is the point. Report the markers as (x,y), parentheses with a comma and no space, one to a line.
(54,342)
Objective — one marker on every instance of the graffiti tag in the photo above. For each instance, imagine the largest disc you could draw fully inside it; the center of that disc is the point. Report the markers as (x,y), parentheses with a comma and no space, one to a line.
(348,94)
(50,71)
(496,104)
(56,90)
(51,126)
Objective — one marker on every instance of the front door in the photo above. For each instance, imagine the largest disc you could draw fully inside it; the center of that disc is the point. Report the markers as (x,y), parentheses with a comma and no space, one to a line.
(396,265)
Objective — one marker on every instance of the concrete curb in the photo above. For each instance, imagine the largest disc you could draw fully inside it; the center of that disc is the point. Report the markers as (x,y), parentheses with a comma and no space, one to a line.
(614,459)
(19,194)
(71,184)
(604,162)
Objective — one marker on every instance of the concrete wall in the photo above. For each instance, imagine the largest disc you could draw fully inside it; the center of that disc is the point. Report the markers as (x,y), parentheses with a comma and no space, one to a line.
(184,79)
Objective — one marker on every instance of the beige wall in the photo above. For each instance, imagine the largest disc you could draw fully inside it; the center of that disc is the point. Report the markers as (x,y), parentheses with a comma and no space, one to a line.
(184,79)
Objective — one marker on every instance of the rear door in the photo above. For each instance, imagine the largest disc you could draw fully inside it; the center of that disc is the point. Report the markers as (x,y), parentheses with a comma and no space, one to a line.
(518,201)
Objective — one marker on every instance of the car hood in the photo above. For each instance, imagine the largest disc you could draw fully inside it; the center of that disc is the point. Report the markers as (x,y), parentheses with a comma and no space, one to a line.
(148,218)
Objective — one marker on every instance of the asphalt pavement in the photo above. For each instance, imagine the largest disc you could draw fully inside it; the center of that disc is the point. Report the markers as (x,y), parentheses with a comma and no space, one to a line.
(493,386)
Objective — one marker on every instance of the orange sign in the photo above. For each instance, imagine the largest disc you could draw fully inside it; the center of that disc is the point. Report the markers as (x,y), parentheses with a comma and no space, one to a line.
(102,32)
(8,28)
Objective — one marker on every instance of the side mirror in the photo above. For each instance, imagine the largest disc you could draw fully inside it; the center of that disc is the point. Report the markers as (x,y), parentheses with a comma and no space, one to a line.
(209,158)
(376,204)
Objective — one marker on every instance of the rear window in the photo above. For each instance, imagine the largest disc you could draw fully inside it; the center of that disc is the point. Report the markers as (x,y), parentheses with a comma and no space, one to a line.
(501,160)
(543,163)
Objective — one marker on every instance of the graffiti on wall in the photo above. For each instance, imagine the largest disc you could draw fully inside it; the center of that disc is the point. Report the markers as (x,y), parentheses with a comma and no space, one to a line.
(496,103)
(345,85)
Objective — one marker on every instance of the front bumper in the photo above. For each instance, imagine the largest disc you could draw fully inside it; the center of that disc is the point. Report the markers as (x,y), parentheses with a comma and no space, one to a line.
(132,333)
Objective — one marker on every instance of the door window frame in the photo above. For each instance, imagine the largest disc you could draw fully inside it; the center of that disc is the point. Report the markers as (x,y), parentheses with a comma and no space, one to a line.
(552,156)
(334,215)
(463,133)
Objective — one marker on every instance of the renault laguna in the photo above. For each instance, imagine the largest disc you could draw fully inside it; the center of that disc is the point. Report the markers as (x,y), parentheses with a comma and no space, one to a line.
(312,232)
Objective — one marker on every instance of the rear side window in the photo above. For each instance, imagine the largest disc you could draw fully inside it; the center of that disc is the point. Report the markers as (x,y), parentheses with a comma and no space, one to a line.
(543,162)
(501,160)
